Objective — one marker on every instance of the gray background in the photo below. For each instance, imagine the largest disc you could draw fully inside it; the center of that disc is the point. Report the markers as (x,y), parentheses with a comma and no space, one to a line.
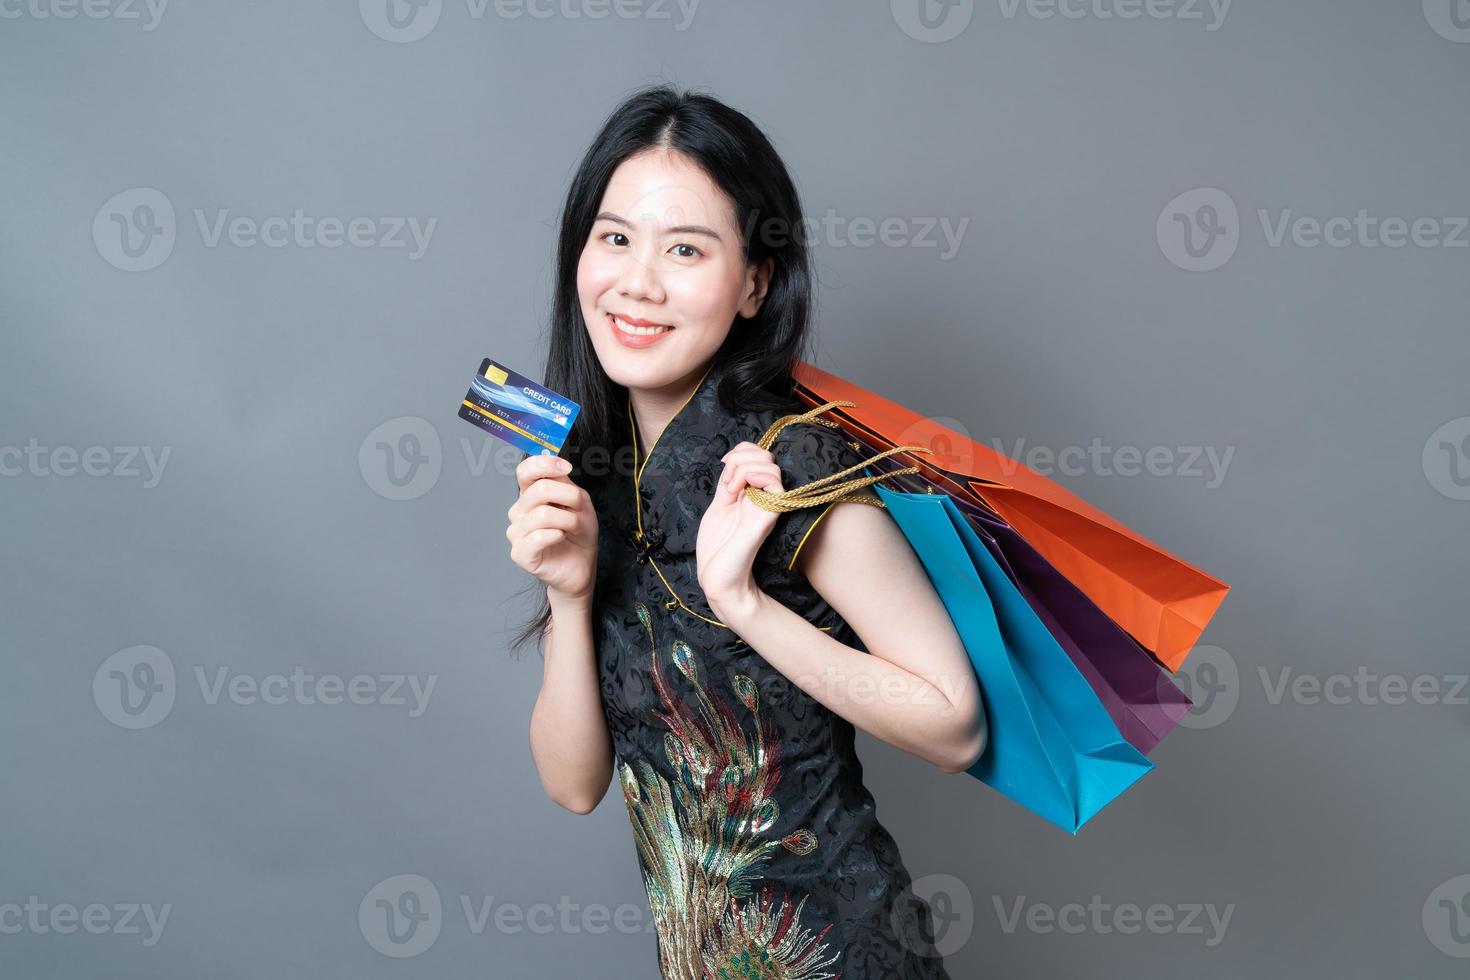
(271,541)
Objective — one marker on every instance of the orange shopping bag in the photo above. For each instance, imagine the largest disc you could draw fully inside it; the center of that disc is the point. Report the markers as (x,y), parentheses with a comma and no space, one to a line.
(1161,600)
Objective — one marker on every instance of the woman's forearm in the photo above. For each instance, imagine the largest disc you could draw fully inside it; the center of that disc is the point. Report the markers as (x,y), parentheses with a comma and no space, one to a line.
(569,737)
(872,693)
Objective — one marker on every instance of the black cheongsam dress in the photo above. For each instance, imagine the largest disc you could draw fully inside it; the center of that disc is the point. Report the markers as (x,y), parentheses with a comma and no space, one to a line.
(761,852)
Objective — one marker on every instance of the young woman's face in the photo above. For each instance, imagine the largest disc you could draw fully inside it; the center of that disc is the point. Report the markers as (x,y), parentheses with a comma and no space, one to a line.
(664,251)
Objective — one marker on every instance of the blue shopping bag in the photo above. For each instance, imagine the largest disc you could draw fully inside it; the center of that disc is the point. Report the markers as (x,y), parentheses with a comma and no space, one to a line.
(1053,747)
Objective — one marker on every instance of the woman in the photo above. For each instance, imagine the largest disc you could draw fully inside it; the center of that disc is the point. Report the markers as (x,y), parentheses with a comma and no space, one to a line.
(713,655)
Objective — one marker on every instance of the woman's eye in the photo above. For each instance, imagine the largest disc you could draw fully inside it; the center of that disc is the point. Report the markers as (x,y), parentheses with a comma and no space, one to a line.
(691,249)
(619,234)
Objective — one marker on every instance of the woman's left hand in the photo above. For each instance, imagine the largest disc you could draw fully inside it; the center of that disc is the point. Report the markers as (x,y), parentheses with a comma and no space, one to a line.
(733,528)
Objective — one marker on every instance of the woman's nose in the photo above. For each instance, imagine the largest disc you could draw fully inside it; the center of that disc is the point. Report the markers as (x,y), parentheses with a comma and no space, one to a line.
(640,278)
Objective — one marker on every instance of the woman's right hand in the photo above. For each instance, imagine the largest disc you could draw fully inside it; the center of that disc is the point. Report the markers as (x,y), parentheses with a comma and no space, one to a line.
(553,528)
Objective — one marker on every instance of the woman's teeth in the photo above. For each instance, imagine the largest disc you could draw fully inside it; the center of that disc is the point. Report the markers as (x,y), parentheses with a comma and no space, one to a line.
(639,331)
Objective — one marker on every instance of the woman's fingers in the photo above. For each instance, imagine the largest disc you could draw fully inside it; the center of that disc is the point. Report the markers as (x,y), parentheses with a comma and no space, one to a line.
(543,516)
(546,491)
(534,468)
(746,447)
(744,452)
(756,474)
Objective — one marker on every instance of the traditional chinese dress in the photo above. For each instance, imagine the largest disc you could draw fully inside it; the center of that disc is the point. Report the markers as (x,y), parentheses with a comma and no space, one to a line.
(761,850)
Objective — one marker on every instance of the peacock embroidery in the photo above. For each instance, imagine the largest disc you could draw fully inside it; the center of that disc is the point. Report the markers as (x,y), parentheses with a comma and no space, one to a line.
(703,842)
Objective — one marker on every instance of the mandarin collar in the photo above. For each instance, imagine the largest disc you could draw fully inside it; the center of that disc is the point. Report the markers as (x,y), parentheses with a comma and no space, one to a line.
(673,484)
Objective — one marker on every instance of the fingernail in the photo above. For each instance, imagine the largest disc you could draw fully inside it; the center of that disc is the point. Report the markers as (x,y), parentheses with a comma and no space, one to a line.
(565,465)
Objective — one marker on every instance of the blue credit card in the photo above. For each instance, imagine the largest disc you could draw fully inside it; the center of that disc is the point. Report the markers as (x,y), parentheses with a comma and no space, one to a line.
(531,417)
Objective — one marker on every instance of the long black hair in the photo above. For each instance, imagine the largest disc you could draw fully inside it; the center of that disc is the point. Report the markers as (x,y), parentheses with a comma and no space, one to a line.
(753,366)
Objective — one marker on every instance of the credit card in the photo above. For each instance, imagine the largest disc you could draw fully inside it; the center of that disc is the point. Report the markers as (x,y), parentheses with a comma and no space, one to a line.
(529,416)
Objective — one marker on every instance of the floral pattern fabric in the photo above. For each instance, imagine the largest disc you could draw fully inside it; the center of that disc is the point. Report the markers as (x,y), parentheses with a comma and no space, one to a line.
(761,852)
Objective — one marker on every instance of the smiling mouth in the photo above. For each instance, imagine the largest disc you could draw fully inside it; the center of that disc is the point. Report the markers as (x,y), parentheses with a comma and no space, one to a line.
(652,330)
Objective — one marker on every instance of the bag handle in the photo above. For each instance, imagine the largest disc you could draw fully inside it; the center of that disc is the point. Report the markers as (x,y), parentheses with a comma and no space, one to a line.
(819,491)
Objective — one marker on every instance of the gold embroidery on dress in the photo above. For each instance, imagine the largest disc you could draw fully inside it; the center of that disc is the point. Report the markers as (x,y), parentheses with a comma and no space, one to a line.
(702,842)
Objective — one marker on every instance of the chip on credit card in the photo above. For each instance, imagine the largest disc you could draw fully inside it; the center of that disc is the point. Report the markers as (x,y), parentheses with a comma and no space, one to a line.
(529,416)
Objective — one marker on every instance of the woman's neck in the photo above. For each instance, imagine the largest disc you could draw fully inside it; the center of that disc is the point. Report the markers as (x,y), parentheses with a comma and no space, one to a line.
(655,408)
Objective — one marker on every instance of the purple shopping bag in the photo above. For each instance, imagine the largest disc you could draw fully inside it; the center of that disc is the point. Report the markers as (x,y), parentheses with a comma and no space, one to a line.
(1138,694)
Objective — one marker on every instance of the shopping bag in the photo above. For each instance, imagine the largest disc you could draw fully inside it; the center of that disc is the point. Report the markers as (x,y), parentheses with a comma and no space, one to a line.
(1139,695)
(1052,746)
(1161,600)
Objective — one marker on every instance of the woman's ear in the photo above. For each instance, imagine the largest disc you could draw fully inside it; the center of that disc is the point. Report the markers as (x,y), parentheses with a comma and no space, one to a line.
(757,281)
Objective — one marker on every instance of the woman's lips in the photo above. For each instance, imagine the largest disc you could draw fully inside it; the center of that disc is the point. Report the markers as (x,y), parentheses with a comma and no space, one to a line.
(637,339)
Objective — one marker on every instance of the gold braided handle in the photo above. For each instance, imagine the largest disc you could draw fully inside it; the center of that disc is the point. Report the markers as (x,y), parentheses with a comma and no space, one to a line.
(827,488)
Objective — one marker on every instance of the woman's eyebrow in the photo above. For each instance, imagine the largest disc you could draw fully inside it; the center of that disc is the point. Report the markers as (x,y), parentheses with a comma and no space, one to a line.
(675,230)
